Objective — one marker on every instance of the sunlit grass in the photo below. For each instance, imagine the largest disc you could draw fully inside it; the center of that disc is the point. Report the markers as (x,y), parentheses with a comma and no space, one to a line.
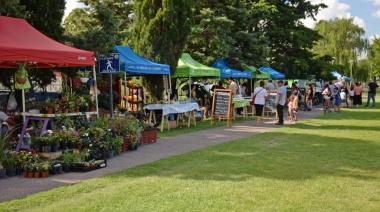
(329,163)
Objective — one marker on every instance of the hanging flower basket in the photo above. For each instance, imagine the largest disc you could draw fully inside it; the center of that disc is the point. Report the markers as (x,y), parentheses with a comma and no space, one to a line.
(21,80)
(21,74)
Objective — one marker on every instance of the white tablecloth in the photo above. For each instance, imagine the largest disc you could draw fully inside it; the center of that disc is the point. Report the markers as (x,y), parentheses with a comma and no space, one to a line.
(173,108)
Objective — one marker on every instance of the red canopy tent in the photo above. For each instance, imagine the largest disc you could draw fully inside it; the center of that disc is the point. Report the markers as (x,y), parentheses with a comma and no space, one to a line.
(21,42)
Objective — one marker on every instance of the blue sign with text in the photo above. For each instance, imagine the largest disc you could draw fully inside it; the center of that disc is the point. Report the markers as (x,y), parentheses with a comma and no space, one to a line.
(109,64)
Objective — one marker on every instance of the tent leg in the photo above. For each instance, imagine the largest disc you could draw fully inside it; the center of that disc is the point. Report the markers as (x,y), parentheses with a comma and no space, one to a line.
(96,91)
(23,103)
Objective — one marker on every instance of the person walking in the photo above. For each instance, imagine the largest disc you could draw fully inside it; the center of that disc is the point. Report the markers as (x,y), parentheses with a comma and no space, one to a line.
(260,94)
(372,86)
(357,95)
(280,102)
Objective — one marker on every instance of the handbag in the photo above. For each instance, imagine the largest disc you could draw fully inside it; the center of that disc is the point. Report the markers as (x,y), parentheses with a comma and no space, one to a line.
(254,97)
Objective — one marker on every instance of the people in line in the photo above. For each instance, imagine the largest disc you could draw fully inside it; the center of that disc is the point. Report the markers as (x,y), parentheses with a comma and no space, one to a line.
(280,102)
(372,86)
(260,95)
(357,95)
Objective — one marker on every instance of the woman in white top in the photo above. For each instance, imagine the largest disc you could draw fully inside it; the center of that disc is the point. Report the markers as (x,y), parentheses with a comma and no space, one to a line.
(260,94)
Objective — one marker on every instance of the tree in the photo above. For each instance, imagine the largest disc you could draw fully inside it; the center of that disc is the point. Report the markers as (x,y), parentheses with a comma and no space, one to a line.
(11,8)
(160,31)
(289,40)
(228,29)
(342,40)
(97,26)
(374,58)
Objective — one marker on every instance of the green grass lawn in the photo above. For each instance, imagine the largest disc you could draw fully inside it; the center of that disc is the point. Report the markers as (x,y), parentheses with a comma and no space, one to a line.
(329,163)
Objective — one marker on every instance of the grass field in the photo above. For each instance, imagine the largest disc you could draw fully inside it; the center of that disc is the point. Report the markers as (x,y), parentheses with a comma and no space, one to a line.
(329,163)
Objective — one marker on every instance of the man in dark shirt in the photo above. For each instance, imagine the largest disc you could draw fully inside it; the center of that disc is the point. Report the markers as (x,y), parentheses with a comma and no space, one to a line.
(372,86)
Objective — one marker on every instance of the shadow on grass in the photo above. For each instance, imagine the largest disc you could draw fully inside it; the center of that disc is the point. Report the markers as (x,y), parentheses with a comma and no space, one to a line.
(353,114)
(270,155)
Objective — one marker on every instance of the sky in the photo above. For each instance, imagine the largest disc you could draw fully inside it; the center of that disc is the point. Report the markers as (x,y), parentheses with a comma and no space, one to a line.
(366,13)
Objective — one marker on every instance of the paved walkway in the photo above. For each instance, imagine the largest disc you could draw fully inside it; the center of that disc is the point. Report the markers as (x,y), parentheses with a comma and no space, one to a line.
(18,187)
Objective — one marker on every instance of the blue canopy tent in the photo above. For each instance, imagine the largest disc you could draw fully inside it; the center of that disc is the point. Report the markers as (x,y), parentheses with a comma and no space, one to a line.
(339,76)
(226,71)
(273,73)
(135,65)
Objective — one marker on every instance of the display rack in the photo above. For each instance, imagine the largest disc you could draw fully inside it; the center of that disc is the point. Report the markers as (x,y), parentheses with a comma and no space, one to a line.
(135,98)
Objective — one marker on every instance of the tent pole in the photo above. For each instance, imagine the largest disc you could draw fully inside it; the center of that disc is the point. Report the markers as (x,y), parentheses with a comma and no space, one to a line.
(170,86)
(23,103)
(190,88)
(125,90)
(95,91)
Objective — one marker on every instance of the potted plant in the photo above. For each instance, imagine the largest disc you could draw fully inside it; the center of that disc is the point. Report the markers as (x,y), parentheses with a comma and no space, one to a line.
(45,168)
(2,156)
(10,163)
(21,74)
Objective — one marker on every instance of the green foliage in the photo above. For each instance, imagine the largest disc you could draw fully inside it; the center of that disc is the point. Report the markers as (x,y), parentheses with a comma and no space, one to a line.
(343,41)
(160,31)
(228,29)
(11,8)
(374,57)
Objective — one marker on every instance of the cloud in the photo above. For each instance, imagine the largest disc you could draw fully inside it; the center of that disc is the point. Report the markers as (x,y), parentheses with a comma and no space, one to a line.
(335,9)
(376,2)
(376,14)
(70,5)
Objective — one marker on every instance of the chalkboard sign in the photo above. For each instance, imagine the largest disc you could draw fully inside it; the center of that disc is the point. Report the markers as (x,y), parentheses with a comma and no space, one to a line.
(221,105)
(270,103)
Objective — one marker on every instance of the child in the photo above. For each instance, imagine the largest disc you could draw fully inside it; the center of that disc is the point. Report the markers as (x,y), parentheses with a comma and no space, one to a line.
(337,100)
(290,107)
(295,106)
(343,97)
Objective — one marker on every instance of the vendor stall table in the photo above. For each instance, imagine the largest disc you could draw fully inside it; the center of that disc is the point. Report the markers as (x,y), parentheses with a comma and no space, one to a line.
(167,109)
(41,117)
(238,103)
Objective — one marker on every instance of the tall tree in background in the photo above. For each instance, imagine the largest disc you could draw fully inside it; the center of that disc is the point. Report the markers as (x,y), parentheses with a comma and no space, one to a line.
(289,40)
(11,8)
(228,29)
(161,29)
(46,16)
(374,58)
(343,41)
(98,26)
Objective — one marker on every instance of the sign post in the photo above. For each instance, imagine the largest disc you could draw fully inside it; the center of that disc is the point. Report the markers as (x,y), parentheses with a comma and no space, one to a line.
(109,64)
(222,105)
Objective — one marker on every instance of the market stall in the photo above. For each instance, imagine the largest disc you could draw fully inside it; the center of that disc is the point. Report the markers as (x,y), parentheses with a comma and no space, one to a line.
(135,65)
(21,46)
(226,71)
(273,73)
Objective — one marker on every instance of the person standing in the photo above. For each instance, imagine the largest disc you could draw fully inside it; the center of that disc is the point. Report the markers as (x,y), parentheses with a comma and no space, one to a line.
(357,95)
(233,86)
(260,95)
(352,94)
(295,105)
(280,102)
(309,96)
(270,85)
(372,86)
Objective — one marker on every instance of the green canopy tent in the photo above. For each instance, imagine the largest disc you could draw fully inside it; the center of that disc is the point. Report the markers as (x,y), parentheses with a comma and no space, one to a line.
(256,73)
(188,67)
